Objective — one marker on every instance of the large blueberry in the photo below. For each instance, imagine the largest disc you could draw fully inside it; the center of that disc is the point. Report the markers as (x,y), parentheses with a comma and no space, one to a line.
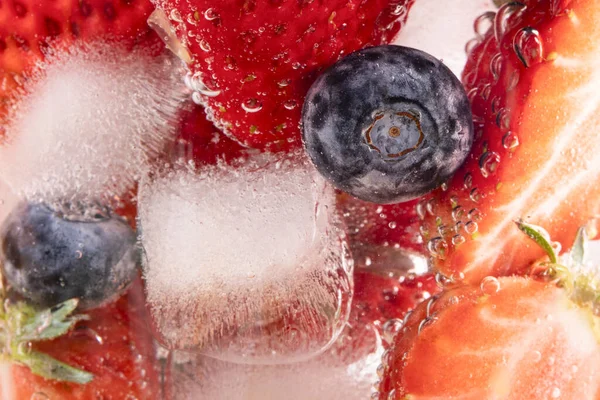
(387,124)
(50,254)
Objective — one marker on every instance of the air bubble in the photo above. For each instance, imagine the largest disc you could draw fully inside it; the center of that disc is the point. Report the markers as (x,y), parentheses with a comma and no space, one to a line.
(197,98)
(471,227)
(438,247)
(471,44)
(457,213)
(503,119)
(514,80)
(399,10)
(39,396)
(290,104)
(474,195)
(483,23)
(501,20)
(252,105)
(204,45)
(555,393)
(196,81)
(424,323)
(468,180)
(210,14)
(510,140)
(453,201)
(283,83)
(391,328)
(421,210)
(495,105)
(475,215)
(458,239)
(489,285)
(430,207)
(175,16)
(443,230)
(488,163)
(528,46)
(380,370)
(496,66)
(485,91)
(392,225)
(441,280)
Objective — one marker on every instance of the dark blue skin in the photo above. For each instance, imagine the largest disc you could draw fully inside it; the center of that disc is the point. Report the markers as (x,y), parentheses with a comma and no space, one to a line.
(49,258)
(387,124)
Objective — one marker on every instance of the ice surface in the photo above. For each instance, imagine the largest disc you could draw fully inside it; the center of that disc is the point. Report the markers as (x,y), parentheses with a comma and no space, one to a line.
(246,263)
(324,377)
(89,122)
(442,29)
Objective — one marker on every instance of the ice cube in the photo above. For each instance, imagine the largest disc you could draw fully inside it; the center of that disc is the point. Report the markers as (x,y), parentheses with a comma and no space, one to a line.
(245,263)
(321,378)
(443,31)
(89,120)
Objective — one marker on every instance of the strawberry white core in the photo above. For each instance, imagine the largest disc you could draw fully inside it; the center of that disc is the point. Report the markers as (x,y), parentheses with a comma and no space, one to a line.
(88,122)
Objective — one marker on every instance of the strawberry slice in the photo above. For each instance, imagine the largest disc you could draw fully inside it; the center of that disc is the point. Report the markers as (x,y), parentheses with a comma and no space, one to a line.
(114,348)
(532,337)
(29,27)
(253,61)
(511,338)
(532,82)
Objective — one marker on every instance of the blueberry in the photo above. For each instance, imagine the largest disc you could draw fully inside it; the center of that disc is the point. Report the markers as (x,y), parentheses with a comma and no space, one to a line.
(48,255)
(387,124)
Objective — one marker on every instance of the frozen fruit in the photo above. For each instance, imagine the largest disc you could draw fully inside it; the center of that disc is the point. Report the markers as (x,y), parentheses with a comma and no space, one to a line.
(49,255)
(252,61)
(111,349)
(28,28)
(532,81)
(387,124)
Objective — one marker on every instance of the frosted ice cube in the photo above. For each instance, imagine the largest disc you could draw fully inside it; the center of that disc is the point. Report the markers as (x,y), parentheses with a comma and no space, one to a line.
(89,120)
(443,31)
(321,378)
(246,263)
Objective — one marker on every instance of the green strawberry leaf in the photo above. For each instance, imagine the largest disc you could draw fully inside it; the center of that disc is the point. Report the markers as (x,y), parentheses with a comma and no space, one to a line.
(50,368)
(540,236)
(21,325)
(49,323)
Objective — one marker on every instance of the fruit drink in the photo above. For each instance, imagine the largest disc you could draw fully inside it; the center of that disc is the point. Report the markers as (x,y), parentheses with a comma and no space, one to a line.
(299,199)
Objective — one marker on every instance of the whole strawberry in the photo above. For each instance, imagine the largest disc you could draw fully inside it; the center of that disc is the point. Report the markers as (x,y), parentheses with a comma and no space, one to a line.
(254,60)
(28,28)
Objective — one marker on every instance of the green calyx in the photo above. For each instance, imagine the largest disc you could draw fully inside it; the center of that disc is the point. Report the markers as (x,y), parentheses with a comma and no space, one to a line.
(21,325)
(572,271)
